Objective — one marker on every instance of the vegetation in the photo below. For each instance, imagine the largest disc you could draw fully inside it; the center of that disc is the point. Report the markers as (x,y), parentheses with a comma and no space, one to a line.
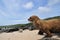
(56,17)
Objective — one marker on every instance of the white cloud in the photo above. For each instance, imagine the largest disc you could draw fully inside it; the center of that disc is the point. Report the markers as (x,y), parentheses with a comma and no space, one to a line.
(52,2)
(3,13)
(11,4)
(48,7)
(12,8)
(44,9)
(28,5)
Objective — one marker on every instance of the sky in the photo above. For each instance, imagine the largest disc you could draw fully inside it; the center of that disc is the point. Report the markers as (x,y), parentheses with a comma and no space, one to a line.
(18,11)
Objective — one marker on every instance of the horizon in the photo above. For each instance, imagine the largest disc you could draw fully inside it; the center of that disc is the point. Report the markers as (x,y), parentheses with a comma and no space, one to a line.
(26,23)
(18,11)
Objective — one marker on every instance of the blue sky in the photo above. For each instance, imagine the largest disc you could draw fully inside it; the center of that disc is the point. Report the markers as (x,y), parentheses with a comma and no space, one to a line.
(18,11)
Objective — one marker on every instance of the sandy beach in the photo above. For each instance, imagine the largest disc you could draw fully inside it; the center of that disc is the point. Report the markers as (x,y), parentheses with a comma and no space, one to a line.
(25,35)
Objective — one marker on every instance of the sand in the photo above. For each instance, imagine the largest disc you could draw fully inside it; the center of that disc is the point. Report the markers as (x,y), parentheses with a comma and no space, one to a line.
(25,35)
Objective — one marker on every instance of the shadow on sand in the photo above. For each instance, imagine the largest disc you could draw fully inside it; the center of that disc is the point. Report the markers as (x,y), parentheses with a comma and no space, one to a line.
(50,38)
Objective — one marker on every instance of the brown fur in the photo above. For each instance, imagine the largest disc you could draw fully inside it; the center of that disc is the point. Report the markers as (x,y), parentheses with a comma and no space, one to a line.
(45,26)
